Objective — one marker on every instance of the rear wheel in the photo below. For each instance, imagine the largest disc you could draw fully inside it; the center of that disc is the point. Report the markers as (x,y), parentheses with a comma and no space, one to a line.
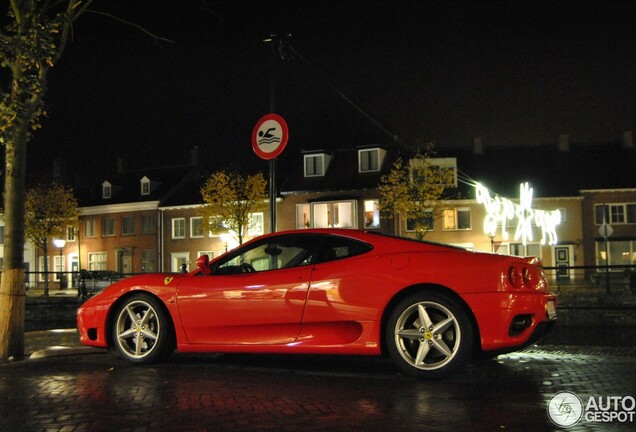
(142,330)
(429,335)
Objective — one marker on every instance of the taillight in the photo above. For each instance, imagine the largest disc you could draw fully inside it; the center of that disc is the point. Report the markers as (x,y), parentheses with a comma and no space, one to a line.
(514,276)
(527,276)
(523,275)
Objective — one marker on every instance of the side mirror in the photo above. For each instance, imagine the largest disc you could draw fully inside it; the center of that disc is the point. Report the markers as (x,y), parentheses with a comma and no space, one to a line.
(273,251)
(203,264)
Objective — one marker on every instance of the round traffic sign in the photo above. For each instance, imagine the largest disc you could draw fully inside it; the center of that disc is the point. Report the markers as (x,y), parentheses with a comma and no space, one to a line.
(270,136)
(605,230)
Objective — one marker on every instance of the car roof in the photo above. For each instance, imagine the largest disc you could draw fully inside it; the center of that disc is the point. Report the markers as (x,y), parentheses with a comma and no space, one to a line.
(374,238)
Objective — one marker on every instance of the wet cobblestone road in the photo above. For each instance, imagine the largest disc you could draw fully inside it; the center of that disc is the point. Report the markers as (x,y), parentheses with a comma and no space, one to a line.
(100,392)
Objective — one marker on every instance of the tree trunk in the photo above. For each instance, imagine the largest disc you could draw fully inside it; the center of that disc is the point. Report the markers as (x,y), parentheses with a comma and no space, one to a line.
(12,288)
(12,300)
(393,223)
(45,251)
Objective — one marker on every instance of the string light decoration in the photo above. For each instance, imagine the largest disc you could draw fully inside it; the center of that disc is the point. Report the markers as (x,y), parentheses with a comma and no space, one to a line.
(502,212)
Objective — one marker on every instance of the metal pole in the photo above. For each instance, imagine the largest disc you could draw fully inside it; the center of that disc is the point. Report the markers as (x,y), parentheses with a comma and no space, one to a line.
(61,268)
(272,195)
(607,277)
(274,40)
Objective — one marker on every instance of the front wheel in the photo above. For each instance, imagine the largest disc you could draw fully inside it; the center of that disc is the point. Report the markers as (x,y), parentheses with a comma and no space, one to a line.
(142,330)
(428,335)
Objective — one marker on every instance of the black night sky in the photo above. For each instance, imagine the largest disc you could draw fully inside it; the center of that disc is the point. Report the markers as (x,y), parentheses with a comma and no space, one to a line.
(512,72)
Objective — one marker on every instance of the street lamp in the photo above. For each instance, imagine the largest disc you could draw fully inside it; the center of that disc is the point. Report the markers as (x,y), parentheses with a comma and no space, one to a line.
(60,243)
(492,242)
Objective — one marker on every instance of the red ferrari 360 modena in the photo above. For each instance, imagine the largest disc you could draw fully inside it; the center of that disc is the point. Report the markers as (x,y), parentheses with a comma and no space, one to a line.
(431,307)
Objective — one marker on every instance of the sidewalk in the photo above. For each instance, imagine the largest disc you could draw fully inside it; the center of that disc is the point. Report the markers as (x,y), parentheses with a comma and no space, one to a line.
(57,342)
(53,292)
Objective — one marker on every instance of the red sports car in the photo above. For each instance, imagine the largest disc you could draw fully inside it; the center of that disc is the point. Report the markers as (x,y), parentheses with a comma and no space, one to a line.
(431,307)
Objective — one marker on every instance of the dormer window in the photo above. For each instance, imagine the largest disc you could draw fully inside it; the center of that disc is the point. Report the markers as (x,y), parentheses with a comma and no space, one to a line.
(107,190)
(316,164)
(370,160)
(145,186)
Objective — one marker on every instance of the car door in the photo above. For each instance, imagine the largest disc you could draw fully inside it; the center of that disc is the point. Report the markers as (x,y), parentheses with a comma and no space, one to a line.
(343,283)
(255,296)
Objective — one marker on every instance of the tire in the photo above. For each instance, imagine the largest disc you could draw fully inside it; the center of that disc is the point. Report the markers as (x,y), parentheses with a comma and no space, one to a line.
(428,335)
(142,331)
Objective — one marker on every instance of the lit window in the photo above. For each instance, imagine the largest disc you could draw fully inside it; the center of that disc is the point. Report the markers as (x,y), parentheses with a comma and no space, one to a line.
(70,233)
(97,261)
(89,228)
(58,267)
(256,224)
(42,274)
(621,252)
(302,216)
(372,214)
(337,214)
(456,219)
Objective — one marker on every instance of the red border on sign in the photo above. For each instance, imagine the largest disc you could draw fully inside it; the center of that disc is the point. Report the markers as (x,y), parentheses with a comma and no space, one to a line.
(283,141)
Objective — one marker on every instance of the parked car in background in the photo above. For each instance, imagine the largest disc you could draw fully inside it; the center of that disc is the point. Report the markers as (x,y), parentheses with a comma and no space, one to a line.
(430,307)
(94,281)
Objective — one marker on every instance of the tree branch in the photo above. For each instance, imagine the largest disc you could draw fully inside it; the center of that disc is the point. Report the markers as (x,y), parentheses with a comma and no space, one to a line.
(137,26)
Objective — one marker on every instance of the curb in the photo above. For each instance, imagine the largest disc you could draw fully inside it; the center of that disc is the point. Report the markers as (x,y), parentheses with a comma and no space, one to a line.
(57,351)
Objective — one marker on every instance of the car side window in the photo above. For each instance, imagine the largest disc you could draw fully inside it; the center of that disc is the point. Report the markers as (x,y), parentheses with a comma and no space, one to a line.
(273,253)
(335,248)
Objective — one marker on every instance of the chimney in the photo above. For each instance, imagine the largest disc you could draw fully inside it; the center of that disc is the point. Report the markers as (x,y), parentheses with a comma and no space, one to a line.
(564,143)
(628,140)
(121,165)
(58,168)
(478,146)
(194,156)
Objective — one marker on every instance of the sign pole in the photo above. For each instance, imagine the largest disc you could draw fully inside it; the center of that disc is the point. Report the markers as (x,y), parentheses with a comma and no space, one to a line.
(606,232)
(272,161)
(272,195)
